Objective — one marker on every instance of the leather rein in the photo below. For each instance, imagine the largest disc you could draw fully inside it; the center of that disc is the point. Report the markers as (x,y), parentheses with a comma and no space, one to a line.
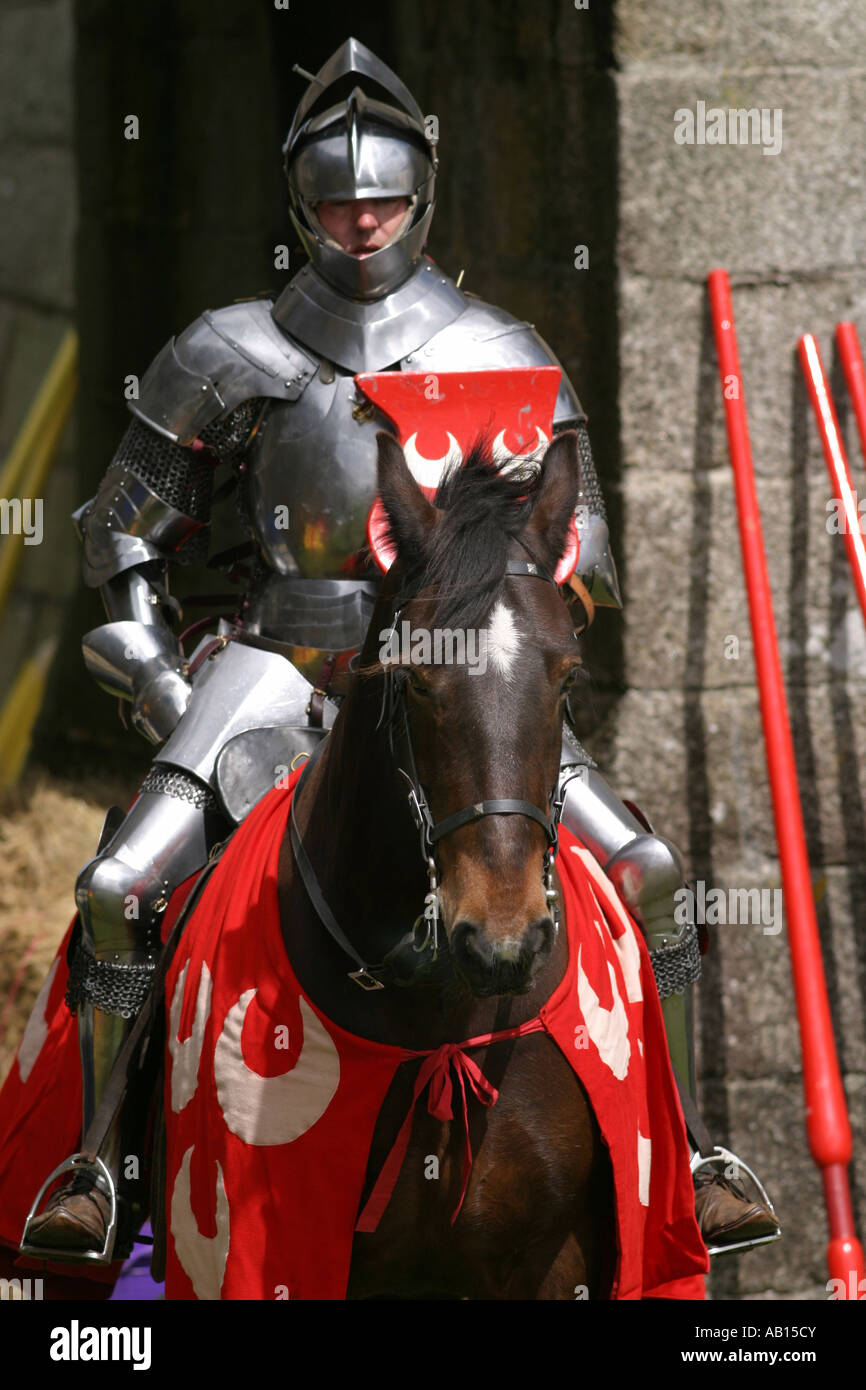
(424,934)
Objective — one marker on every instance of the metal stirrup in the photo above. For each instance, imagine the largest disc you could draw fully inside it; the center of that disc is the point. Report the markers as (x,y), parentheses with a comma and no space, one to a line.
(723,1155)
(86,1163)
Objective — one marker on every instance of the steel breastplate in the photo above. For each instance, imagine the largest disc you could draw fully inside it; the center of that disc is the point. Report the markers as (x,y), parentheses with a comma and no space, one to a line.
(311,474)
(314,618)
(312,479)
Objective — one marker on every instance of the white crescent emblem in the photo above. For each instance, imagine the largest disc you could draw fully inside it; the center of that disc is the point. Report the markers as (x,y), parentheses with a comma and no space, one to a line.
(428,472)
(644,1163)
(626,944)
(203,1258)
(274,1109)
(608,1028)
(186,1055)
(506,461)
(37,1027)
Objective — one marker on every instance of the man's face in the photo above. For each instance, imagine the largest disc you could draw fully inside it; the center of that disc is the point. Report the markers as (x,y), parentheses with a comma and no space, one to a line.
(362,225)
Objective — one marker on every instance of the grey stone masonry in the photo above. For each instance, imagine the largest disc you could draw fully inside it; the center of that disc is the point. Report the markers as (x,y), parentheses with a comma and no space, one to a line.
(37,295)
(785,216)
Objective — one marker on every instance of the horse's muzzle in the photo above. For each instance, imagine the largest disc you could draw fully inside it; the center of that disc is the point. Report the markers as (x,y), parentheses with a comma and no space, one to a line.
(504,966)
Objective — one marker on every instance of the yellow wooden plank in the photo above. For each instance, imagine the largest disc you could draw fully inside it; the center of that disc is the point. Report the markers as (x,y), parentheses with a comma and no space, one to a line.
(20,711)
(52,413)
(61,372)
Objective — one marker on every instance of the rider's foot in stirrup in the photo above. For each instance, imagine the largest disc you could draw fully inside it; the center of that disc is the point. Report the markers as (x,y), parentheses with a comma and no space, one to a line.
(726,1216)
(75,1219)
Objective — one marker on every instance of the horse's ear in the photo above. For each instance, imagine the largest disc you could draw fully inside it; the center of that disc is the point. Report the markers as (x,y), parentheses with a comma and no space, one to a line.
(556,500)
(409,512)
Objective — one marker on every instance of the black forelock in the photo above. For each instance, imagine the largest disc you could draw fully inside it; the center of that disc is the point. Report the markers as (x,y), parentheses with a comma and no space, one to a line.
(465,558)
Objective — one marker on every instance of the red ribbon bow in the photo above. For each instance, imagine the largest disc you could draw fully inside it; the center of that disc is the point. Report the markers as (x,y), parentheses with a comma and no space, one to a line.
(436,1072)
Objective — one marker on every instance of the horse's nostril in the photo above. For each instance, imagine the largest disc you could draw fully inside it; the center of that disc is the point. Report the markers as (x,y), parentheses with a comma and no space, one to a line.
(540,935)
(507,962)
(470,944)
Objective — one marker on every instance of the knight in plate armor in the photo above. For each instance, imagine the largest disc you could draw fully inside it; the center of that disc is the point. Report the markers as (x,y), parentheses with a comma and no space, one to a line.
(266,387)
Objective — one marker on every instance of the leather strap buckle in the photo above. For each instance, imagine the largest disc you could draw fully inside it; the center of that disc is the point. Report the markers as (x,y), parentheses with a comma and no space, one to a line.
(316,707)
(365,979)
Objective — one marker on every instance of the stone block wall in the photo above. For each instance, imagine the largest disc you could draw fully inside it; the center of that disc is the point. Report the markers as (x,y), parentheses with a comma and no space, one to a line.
(37,294)
(686,739)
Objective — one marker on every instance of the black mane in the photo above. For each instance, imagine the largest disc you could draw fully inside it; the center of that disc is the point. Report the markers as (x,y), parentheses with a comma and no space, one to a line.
(465,560)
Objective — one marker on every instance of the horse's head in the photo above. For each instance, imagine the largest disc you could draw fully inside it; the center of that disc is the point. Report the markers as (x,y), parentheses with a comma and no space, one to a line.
(481,656)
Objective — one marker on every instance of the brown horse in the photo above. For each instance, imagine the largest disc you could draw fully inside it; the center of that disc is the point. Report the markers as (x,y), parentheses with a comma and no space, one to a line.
(483,738)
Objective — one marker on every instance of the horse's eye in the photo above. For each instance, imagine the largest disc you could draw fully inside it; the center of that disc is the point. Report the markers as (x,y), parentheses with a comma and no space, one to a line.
(571,679)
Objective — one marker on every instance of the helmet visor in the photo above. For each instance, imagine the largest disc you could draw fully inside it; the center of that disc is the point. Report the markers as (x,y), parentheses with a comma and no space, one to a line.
(380,165)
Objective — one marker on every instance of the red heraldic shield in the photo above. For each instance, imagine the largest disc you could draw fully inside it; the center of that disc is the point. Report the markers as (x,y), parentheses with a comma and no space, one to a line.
(439,416)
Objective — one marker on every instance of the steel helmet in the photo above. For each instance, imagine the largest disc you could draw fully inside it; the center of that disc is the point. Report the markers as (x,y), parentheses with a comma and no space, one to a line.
(360,147)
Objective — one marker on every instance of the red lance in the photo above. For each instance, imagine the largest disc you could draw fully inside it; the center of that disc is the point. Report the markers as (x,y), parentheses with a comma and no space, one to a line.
(837,463)
(827,1124)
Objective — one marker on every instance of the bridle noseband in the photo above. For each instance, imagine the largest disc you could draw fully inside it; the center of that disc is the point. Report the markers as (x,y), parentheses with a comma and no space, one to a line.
(395,714)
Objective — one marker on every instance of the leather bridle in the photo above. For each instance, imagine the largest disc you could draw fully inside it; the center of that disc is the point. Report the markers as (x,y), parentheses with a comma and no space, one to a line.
(395,714)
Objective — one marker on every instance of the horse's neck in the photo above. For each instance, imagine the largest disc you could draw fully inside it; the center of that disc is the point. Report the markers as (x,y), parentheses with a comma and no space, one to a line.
(360,834)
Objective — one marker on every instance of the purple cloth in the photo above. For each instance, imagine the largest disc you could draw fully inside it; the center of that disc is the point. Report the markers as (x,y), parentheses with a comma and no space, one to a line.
(135,1280)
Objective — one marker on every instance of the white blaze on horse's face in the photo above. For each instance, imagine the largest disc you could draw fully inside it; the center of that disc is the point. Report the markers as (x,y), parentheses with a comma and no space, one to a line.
(494,908)
(503,641)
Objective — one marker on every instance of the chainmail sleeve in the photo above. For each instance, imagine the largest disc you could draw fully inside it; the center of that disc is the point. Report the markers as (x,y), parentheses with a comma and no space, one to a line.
(227,438)
(596,567)
(590,494)
(184,477)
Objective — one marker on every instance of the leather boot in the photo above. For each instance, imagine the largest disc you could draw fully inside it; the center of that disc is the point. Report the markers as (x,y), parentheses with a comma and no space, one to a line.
(725,1214)
(76,1218)
(75,1222)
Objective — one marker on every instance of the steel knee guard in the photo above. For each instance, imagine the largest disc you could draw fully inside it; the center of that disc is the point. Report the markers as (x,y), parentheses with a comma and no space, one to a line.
(122,893)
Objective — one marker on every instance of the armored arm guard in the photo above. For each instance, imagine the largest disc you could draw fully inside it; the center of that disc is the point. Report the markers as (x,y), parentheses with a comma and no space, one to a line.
(595,565)
(203,395)
(153,504)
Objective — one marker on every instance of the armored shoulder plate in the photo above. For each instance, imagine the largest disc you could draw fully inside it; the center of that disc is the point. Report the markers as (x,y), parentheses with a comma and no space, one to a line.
(222,359)
(486,337)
